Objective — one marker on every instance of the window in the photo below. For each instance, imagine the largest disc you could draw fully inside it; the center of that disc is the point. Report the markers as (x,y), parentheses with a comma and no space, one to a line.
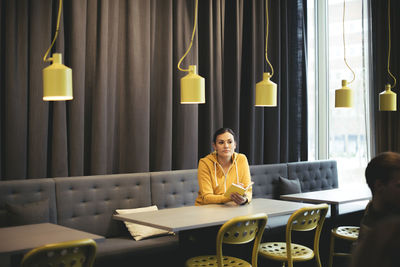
(338,133)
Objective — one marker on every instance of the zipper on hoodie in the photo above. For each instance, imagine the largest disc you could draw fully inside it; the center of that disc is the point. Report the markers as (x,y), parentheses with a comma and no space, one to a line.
(225,174)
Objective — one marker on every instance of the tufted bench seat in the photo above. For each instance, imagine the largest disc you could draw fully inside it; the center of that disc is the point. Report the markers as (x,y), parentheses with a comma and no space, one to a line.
(88,203)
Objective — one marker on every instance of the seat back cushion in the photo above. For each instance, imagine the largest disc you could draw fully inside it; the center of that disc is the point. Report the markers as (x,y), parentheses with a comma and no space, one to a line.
(88,203)
(314,175)
(170,189)
(266,179)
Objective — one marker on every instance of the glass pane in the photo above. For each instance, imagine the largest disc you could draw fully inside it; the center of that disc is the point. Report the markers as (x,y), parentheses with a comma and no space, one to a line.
(348,126)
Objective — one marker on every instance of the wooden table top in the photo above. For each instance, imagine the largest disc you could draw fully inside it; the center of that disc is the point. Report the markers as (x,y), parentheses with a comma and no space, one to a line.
(18,239)
(332,196)
(192,217)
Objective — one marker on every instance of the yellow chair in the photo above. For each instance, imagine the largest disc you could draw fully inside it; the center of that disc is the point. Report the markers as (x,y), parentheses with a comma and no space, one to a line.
(239,230)
(305,219)
(77,253)
(349,233)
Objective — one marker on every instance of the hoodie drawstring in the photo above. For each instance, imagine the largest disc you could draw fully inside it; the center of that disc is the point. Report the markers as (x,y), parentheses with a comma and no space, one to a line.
(237,174)
(215,173)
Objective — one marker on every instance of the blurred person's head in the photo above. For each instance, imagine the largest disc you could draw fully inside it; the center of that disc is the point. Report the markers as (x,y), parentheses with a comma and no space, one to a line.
(383,178)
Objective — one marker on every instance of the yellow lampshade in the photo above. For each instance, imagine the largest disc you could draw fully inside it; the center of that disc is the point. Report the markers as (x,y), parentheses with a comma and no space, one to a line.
(193,88)
(344,96)
(57,81)
(266,92)
(387,100)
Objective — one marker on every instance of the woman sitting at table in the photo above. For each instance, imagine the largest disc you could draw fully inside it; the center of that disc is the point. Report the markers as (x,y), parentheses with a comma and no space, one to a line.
(220,169)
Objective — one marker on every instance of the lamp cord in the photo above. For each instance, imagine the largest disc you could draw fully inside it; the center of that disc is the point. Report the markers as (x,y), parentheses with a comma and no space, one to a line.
(191,41)
(388,64)
(266,38)
(56,35)
(344,45)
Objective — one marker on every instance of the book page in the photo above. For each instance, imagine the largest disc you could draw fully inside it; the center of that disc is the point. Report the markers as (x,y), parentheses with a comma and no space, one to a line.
(238,189)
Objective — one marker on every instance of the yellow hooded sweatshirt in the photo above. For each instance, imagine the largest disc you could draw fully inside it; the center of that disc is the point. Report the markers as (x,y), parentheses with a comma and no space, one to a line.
(213,182)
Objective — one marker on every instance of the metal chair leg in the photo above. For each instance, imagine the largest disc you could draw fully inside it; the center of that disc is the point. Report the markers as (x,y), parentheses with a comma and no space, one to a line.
(331,250)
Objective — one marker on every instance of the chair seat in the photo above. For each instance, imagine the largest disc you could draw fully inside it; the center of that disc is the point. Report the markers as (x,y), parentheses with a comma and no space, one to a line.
(346,232)
(277,251)
(211,260)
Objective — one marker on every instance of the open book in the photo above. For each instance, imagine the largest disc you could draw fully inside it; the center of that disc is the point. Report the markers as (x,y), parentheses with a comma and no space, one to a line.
(237,188)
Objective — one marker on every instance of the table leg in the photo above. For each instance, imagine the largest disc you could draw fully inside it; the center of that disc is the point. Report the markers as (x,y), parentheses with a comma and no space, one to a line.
(197,242)
(5,260)
(334,210)
(10,260)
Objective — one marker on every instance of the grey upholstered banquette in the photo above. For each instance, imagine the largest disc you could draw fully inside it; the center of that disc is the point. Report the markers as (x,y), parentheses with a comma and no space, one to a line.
(88,202)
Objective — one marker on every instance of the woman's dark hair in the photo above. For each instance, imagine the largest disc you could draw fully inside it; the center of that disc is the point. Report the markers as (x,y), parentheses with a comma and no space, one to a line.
(222,131)
(382,168)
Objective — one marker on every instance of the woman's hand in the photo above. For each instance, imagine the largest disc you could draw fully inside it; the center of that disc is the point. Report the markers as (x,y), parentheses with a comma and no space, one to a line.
(238,199)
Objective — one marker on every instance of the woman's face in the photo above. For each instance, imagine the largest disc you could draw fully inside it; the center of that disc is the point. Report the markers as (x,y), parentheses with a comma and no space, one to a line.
(225,145)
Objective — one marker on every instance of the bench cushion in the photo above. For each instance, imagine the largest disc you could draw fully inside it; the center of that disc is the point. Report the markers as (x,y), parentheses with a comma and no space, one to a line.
(140,231)
(126,251)
(29,213)
(289,186)
(25,192)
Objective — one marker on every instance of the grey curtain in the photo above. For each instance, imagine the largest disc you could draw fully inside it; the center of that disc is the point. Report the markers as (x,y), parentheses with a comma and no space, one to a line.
(385,125)
(234,63)
(126,115)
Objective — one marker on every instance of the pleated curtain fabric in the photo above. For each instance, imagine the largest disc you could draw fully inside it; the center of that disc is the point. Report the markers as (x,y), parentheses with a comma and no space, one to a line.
(385,125)
(126,114)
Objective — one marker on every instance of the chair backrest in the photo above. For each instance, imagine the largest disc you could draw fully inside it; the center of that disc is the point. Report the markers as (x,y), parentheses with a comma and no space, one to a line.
(306,219)
(241,230)
(77,253)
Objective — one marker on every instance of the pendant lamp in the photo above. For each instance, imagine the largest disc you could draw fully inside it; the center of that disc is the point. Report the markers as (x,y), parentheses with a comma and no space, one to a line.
(192,85)
(344,95)
(57,78)
(387,98)
(57,81)
(192,88)
(266,90)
